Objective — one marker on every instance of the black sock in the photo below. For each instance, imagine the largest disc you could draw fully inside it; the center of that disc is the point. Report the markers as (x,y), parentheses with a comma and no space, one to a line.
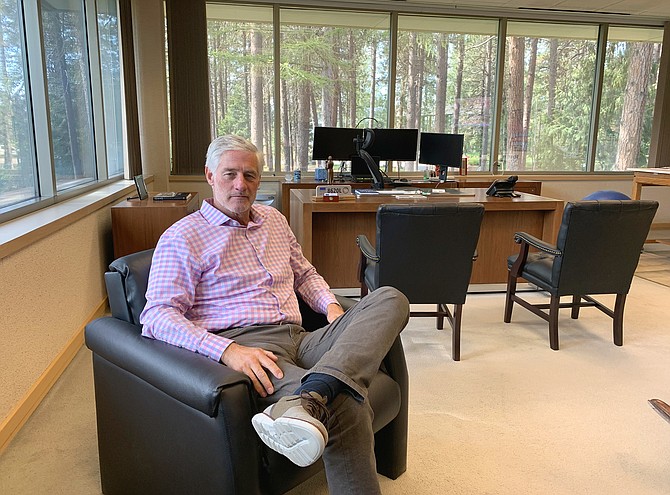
(325,385)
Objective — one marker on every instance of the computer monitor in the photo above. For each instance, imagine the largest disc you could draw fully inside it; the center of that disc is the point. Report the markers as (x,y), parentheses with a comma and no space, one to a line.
(336,142)
(395,144)
(359,169)
(443,150)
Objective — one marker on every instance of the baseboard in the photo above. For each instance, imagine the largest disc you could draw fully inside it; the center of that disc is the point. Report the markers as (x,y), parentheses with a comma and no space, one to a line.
(18,416)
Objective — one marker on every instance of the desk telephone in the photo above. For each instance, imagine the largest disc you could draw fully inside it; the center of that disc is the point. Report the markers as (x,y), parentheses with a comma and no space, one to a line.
(503,188)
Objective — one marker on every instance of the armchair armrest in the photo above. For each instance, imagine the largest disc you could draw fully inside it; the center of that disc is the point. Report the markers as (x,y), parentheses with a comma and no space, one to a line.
(366,248)
(526,240)
(188,377)
(545,247)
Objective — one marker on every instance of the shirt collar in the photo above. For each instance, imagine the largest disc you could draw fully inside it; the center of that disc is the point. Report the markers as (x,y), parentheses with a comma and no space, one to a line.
(214,216)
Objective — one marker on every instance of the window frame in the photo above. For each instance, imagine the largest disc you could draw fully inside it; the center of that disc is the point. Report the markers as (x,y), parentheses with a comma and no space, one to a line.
(601,22)
(39,111)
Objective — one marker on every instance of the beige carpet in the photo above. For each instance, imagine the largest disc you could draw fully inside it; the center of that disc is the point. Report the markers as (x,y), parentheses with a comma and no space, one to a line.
(654,263)
(513,417)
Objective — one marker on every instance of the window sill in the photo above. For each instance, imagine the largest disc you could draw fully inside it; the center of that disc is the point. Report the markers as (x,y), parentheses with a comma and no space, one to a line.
(23,231)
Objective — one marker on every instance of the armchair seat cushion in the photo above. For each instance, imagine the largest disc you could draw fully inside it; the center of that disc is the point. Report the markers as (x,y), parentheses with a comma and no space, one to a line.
(538,267)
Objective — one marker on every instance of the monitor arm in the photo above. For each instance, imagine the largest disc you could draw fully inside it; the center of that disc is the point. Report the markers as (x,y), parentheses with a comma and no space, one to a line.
(362,143)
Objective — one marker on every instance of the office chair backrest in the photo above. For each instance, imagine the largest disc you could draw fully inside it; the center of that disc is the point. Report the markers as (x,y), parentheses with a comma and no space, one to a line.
(126,284)
(601,243)
(426,250)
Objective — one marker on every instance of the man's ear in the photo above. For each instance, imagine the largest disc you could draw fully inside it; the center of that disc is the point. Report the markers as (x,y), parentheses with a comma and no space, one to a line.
(209,175)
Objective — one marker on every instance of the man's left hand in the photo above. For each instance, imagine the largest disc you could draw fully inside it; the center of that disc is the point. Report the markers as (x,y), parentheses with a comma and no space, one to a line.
(334,311)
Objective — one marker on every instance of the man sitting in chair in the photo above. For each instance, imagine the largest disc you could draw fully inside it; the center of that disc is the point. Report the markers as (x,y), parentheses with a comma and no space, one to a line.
(223,283)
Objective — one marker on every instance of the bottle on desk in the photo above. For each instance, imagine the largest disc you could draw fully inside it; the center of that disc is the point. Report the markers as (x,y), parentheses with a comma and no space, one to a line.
(464,166)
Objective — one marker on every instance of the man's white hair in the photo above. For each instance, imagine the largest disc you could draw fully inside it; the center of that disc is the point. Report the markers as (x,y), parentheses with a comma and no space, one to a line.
(230,142)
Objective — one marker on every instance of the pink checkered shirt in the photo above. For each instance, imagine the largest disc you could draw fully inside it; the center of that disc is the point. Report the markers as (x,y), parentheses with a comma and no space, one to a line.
(210,273)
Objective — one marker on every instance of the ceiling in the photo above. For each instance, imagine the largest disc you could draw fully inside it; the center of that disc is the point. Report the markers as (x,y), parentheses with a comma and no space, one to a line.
(616,9)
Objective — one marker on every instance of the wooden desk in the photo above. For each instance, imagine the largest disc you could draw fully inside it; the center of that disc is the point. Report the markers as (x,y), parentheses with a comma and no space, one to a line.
(525,186)
(327,231)
(137,225)
(649,177)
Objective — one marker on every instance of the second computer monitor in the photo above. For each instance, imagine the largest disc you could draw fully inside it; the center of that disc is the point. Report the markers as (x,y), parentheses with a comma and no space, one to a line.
(394,144)
(436,148)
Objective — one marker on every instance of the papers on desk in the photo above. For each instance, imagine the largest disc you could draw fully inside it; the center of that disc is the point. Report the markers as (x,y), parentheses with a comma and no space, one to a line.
(411,193)
(388,192)
(452,192)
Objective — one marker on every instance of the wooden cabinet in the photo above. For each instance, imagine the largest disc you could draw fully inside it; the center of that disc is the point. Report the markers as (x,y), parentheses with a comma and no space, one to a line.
(137,225)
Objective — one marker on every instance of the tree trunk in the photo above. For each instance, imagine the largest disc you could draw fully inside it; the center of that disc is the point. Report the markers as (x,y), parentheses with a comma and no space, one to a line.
(528,99)
(374,83)
(515,138)
(487,79)
(352,78)
(442,74)
(257,90)
(303,126)
(286,130)
(632,111)
(412,80)
(553,70)
(7,127)
(459,84)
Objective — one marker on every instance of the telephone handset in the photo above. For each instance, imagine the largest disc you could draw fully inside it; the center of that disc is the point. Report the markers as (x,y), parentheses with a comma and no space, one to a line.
(504,188)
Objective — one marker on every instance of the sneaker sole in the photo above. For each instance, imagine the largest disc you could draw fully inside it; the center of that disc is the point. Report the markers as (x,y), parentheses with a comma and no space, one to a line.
(296,439)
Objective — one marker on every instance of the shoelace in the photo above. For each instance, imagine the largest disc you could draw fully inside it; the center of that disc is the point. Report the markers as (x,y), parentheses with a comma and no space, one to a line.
(315,408)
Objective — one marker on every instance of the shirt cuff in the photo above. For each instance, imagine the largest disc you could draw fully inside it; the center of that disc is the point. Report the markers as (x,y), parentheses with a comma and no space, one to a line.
(213,346)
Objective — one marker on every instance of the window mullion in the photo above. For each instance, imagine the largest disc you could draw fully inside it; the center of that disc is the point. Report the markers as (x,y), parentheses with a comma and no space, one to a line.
(96,88)
(597,97)
(39,101)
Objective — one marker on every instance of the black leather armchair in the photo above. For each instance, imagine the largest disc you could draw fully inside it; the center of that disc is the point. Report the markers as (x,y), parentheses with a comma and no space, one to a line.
(173,421)
(426,251)
(597,251)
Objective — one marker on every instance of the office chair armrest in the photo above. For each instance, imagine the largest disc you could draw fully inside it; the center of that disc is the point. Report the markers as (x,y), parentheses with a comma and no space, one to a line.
(191,378)
(366,248)
(545,247)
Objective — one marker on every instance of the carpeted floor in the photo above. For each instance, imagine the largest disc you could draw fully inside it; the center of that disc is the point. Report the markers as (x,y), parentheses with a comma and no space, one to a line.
(513,417)
(654,263)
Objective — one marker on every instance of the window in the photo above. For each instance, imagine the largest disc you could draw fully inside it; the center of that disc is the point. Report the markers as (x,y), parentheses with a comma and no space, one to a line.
(110,70)
(61,126)
(241,68)
(526,101)
(626,110)
(547,96)
(17,158)
(69,91)
(334,73)
(445,81)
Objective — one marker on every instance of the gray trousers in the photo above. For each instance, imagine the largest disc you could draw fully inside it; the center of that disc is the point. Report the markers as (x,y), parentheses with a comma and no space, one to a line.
(351,349)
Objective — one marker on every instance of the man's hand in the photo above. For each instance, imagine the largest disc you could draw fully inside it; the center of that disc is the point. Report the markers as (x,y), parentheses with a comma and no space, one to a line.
(334,311)
(253,361)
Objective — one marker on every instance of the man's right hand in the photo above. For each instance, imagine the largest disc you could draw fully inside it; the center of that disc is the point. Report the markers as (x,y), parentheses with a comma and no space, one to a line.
(253,361)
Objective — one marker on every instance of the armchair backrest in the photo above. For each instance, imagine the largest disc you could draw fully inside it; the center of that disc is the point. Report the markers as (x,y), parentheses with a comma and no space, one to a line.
(601,243)
(426,250)
(127,281)
(126,284)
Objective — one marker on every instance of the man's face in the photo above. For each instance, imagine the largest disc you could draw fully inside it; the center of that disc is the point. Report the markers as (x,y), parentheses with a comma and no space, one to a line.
(235,183)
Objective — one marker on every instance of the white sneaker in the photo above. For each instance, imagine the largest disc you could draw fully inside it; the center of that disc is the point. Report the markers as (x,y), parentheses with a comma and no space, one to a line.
(294,427)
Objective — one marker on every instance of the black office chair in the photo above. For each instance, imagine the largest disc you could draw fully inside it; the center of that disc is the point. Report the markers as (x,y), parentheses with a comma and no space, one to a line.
(597,251)
(426,251)
(173,421)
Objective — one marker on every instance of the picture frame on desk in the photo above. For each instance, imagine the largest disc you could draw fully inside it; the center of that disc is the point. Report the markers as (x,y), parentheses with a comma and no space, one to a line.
(141,187)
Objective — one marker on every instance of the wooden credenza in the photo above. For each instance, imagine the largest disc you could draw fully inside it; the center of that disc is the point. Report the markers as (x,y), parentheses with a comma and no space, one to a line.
(137,225)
